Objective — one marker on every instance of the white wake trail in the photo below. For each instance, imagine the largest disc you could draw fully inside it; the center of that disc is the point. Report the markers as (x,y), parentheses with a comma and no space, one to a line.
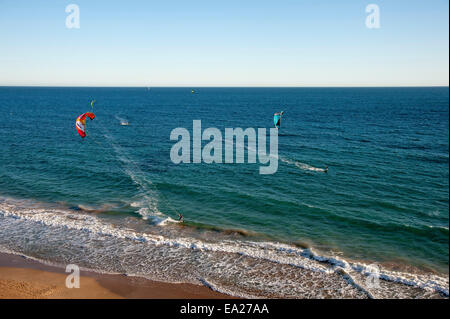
(147,205)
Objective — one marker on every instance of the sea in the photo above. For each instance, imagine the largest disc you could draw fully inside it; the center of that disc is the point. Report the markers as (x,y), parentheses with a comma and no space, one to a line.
(375,225)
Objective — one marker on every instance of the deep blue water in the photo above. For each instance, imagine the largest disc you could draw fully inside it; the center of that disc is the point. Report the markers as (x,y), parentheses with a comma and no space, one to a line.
(385,197)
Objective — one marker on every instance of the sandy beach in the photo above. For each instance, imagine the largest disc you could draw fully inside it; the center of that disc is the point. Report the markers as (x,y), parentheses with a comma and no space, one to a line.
(25,278)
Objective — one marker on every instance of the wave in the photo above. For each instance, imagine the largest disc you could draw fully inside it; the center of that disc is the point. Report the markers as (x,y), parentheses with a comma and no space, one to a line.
(226,231)
(93,209)
(443,229)
(285,255)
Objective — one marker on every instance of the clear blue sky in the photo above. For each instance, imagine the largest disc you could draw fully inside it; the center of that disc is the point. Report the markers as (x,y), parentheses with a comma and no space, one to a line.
(224,43)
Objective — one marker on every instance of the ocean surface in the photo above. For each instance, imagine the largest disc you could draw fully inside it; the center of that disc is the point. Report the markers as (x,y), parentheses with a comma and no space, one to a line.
(110,202)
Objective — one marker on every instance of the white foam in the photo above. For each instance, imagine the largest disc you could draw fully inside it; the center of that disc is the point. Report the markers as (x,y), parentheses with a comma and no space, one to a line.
(438,227)
(225,291)
(122,120)
(302,166)
(274,252)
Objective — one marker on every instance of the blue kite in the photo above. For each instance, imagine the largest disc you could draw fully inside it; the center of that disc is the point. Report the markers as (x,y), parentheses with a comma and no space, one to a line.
(277,119)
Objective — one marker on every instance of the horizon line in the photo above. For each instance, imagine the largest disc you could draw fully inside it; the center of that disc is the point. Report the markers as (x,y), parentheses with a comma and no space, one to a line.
(226,86)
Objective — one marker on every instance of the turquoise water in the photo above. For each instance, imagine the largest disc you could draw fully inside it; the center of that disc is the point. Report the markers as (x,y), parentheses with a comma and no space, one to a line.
(384,199)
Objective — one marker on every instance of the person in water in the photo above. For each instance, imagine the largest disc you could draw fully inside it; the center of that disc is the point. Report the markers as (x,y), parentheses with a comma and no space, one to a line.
(180,217)
(326,169)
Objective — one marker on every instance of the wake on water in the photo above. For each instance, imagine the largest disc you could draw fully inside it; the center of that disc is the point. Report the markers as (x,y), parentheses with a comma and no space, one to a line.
(300,165)
(148,203)
(122,121)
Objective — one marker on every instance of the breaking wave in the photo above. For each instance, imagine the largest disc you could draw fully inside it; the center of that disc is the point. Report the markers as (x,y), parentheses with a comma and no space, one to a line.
(219,263)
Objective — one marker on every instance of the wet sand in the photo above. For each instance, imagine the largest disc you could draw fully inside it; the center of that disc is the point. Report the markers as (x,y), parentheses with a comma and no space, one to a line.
(25,278)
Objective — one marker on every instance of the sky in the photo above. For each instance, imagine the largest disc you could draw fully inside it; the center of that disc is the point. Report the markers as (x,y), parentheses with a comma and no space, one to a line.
(224,43)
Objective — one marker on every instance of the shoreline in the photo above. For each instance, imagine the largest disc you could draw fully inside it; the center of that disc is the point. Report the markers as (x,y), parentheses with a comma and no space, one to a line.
(329,273)
(24,278)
